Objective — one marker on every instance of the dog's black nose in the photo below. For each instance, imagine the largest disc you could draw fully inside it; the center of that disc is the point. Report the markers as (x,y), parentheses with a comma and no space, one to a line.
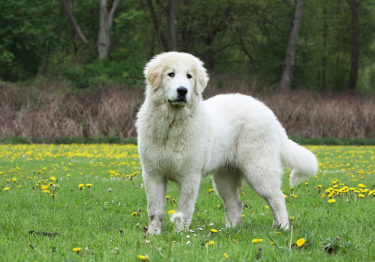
(182,91)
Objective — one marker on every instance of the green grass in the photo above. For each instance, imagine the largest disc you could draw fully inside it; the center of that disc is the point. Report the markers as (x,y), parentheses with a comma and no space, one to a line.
(93,217)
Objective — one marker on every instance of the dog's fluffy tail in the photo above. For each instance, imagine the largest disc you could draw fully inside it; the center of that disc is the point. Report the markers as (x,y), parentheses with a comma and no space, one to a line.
(302,161)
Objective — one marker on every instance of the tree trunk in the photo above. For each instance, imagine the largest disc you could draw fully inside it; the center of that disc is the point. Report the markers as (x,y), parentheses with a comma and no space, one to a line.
(106,21)
(74,22)
(161,38)
(290,56)
(324,58)
(171,25)
(354,60)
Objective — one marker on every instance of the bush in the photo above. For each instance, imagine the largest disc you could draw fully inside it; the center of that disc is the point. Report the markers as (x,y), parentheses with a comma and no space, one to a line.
(104,70)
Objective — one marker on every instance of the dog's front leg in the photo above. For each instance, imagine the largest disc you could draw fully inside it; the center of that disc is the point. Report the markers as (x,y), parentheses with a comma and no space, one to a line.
(155,187)
(189,188)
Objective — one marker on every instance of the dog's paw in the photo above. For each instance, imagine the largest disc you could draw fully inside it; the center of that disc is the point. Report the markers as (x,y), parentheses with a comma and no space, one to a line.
(153,230)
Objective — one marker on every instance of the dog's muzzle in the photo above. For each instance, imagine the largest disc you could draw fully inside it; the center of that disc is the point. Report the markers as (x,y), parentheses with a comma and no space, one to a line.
(181,97)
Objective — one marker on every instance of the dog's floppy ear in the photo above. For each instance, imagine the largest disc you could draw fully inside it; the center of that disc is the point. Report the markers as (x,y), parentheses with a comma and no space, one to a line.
(153,72)
(201,78)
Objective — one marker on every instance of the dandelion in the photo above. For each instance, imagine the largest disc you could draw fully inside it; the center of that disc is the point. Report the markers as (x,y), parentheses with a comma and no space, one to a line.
(300,242)
(267,207)
(291,218)
(134,213)
(89,185)
(6,188)
(211,190)
(331,201)
(168,197)
(213,230)
(77,249)
(257,240)
(53,178)
(19,186)
(361,195)
(81,186)
(142,257)
(293,195)
(226,255)
(14,179)
(242,215)
(170,212)
(211,243)
(44,187)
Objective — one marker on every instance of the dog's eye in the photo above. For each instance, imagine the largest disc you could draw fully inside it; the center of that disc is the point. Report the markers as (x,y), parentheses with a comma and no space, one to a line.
(188,76)
(171,74)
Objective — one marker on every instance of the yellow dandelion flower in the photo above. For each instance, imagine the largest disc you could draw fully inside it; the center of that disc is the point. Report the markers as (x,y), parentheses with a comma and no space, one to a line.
(44,187)
(213,230)
(6,188)
(226,255)
(77,249)
(211,243)
(134,213)
(331,201)
(300,242)
(257,240)
(168,197)
(142,257)
(242,215)
(170,212)
(211,190)
(53,178)
(14,179)
(89,185)
(361,195)
(267,207)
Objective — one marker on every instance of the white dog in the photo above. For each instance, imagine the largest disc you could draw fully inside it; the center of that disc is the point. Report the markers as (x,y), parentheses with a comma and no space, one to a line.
(233,137)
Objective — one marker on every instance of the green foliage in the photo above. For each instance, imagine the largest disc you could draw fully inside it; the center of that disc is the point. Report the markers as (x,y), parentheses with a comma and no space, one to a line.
(238,38)
(106,71)
(24,35)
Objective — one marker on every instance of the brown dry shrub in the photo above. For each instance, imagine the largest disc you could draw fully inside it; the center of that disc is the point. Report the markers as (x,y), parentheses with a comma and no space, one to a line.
(51,110)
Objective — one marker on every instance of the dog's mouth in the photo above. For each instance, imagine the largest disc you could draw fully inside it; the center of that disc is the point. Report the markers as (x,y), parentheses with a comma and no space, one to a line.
(181,101)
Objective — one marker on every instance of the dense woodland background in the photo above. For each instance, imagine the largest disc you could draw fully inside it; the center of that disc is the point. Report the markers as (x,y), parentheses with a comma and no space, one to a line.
(74,67)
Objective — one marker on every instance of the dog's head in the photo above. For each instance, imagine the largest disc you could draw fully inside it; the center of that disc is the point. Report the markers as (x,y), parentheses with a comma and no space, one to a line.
(176,77)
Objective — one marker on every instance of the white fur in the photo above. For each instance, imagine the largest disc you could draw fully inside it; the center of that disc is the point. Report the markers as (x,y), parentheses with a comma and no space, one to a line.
(229,136)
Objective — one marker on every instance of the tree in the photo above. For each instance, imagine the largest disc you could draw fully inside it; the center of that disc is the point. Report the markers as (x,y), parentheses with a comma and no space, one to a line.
(106,20)
(167,39)
(286,79)
(74,22)
(354,59)
(171,25)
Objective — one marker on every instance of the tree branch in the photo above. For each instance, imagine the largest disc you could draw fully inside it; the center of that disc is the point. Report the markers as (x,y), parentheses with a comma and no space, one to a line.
(112,12)
(74,22)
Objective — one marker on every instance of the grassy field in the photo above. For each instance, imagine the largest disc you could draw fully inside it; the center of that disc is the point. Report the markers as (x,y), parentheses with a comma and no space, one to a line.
(55,198)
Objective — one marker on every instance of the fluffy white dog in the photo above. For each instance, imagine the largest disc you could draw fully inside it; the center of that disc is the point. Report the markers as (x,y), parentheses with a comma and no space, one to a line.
(233,137)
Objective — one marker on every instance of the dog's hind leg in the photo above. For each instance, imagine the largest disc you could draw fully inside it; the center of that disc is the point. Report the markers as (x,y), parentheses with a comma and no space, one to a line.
(155,190)
(227,183)
(264,176)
